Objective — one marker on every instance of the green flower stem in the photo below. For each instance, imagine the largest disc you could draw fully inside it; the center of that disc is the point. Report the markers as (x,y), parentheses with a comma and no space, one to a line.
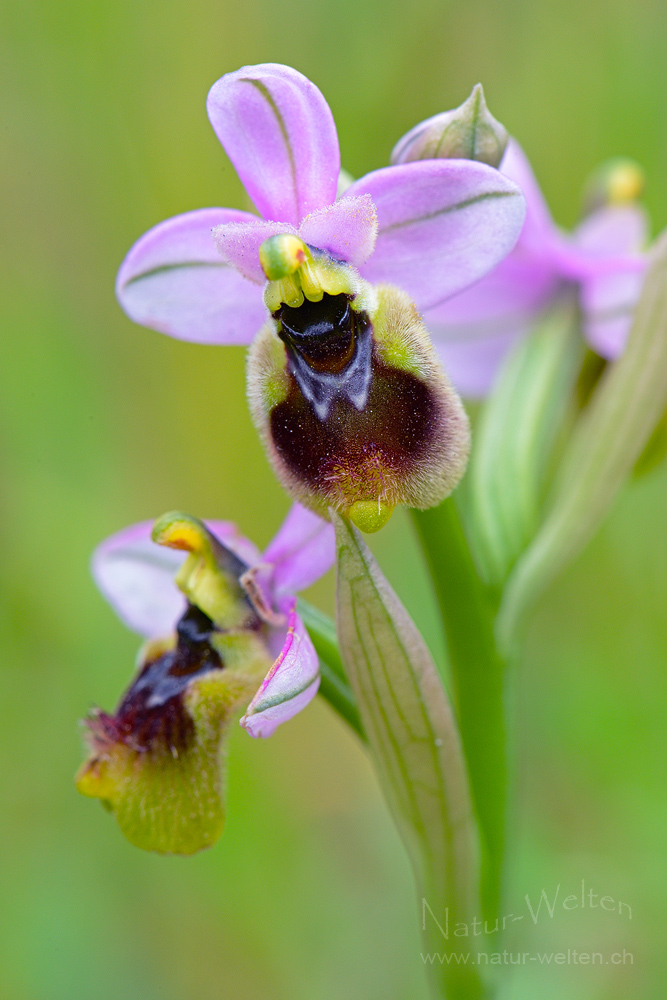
(477,671)
(334,686)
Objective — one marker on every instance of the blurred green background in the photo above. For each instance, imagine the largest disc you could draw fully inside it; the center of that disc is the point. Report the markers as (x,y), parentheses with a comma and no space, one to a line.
(103,423)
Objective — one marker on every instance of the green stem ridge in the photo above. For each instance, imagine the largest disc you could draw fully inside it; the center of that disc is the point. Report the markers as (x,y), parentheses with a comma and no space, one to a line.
(416,749)
(477,672)
(515,438)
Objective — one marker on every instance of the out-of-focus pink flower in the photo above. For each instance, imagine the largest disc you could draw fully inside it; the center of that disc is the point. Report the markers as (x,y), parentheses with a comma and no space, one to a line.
(603,258)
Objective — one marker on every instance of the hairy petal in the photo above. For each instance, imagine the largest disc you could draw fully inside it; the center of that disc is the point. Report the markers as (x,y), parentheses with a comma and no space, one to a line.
(347,229)
(279,133)
(442,224)
(302,551)
(136,576)
(238,244)
(289,686)
(174,281)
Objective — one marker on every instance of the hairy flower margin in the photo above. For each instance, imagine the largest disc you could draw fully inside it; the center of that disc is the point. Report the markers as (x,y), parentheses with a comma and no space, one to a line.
(215,613)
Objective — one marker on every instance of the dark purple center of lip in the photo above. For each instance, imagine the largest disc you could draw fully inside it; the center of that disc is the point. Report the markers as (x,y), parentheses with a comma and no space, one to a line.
(397,425)
(323,333)
(152,710)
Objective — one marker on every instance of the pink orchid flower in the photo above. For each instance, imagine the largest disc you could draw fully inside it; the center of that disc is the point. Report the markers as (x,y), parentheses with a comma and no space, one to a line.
(602,258)
(137,576)
(432,227)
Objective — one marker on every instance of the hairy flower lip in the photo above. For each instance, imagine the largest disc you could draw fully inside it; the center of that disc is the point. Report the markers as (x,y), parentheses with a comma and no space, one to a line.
(136,576)
(405,443)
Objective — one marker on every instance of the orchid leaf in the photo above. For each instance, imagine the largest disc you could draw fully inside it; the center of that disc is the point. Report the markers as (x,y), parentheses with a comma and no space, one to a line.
(415,746)
(514,440)
(468,610)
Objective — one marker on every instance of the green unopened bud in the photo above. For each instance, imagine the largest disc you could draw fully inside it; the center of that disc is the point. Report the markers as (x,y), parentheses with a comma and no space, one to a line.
(469,132)
(619,181)
(210,575)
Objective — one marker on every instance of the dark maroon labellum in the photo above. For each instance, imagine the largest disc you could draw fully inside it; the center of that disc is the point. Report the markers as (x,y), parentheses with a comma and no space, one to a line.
(152,710)
(391,434)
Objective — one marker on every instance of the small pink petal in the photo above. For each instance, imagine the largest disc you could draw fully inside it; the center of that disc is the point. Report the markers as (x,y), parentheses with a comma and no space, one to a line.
(608,304)
(442,225)
(174,281)
(607,243)
(302,551)
(238,244)
(289,686)
(608,300)
(615,229)
(279,133)
(347,229)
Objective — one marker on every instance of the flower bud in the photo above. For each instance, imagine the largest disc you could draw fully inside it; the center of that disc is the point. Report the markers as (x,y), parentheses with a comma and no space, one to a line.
(350,398)
(469,132)
(619,181)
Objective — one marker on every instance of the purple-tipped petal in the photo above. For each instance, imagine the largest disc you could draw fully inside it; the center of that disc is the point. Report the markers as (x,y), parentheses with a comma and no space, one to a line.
(279,133)
(238,244)
(347,229)
(173,280)
(136,575)
(290,684)
(302,551)
(442,225)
